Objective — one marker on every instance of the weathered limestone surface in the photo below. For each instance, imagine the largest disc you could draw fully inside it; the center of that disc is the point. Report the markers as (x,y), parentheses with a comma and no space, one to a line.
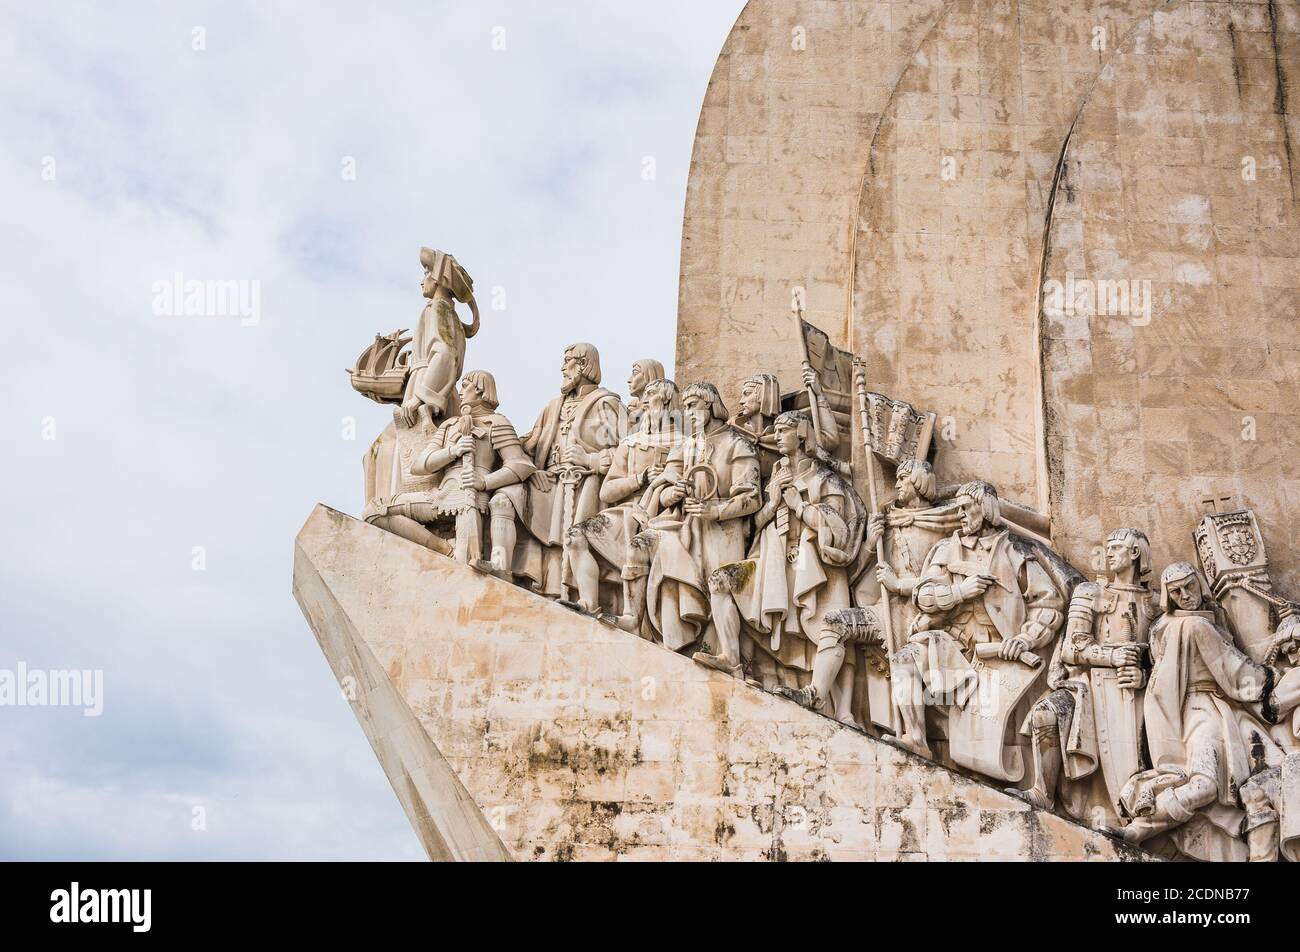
(775,177)
(578,741)
(1145,420)
(446,819)
(924,168)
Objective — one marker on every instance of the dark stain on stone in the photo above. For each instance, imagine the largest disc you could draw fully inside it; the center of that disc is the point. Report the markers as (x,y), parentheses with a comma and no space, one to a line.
(1236,58)
(1279,101)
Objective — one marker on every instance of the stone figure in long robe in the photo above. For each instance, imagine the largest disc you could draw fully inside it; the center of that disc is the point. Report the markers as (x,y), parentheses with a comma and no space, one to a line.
(1205,743)
(438,344)
(699,509)
(599,545)
(572,445)
(809,532)
(984,601)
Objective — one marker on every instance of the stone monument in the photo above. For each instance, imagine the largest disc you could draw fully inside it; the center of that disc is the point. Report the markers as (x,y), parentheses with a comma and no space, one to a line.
(1013,266)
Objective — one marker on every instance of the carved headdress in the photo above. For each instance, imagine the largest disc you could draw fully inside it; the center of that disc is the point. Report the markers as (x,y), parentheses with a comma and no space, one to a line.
(1176,573)
(769,392)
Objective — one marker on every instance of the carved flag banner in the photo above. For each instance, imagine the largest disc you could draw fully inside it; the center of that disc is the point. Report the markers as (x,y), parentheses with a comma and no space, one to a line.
(896,430)
(834,368)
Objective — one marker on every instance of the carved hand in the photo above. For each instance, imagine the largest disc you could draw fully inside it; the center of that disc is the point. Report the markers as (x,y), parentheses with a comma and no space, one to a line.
(1012,648)
(673,495)
(577,456)
(875,529)
(780,480)
(810,380)
(462,446)
(791,497)
(1130,676)
(473,480)
(704,510)
(1125,656)
(974,587)
(888,578)
(541,480)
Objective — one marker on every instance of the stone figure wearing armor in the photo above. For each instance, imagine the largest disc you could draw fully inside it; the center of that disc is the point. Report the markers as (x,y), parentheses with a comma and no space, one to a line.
(1086,732)
(477,452)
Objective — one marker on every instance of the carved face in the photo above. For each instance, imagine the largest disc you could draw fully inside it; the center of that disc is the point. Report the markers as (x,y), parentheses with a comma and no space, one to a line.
(905,489)
(636,382)
(1120,555)
(787,439)
(655,404)
(1186,593)
(972,516)
(428,284)
(698,413)
(470,394)
(571,372)
(751,400)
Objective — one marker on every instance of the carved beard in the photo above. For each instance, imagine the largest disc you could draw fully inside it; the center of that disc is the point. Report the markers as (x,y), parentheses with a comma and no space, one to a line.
(568,385)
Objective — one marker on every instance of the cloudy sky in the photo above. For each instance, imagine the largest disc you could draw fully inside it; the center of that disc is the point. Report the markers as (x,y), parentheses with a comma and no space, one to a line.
(135,439)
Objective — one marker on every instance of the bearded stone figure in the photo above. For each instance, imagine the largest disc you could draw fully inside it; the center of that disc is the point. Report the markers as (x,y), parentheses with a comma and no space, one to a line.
(572,446)
(599,545)
(986,608)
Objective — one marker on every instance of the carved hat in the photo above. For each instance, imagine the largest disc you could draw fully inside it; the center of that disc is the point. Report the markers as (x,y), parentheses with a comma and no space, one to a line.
(769,392)
(448,273)
(801,421)
(1176,573)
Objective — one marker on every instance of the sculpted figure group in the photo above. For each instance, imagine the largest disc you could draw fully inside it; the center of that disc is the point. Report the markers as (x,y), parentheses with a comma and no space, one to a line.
(943,619)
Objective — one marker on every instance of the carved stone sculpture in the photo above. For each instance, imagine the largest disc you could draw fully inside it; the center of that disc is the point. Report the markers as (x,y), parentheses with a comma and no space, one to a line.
(1086,733)
(988,614)
(473,455)
(601,542)
(572,445)
(1204,742)
(909,527)
(809,534)
(438,346)
(644,372)
(698,514)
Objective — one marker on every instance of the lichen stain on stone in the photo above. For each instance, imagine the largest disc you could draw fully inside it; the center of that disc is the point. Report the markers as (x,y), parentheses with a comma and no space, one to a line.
(954,814)
(909,841)
(732,578)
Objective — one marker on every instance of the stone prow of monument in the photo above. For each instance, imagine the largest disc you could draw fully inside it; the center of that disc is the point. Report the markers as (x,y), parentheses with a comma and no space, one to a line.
(513,728)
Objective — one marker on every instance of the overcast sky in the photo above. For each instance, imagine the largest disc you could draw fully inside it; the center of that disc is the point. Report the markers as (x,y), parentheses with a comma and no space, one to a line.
(135,437)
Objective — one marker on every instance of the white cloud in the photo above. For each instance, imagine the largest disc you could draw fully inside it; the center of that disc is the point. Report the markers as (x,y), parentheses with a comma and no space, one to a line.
(179,432)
